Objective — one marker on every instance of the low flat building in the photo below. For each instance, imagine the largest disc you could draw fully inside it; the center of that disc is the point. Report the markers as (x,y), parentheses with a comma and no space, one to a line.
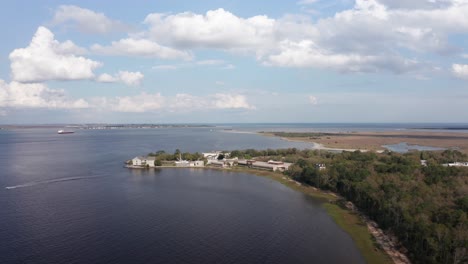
(143,161)
(217,163)
(182,163)
(262,165)
(197,163)
(186,163)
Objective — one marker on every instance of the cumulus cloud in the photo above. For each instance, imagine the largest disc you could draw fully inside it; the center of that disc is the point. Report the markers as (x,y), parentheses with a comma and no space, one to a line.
(226,101)
(126,77)
(308,54)
(460,70)
(396,34)
(15,95)
(336,42)
(216,29)
(86,20)
(140,48)
(47,59)
(131,78)
(36,95)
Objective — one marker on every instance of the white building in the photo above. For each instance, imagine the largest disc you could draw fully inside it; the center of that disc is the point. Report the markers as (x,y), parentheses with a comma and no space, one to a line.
(222,163)
(270,165)
(143,161)
(197,163)
(215,154)
(211,155)
(186,163)
(456,164)
(182,163)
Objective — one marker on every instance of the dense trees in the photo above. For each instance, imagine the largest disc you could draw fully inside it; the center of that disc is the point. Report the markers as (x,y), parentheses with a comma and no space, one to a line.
(161,155)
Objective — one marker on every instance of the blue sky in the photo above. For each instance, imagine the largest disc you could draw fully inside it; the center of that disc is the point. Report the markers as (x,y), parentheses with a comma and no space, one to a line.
(234,61)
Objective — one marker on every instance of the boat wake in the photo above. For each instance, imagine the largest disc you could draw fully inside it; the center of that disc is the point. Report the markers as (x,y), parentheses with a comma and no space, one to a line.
(29,184)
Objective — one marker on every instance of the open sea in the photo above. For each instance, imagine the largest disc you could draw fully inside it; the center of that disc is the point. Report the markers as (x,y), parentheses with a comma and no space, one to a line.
(68,199)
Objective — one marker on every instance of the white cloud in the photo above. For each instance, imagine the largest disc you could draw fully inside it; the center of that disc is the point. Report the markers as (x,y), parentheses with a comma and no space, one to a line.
(182,102)
(86,20)
(460,70)
(140,48)
(131,78)
(186,103)
(308,54)
(313,100)
(216,29)
(36,95)
(47,59)
(126,77)
(224,101)
(106,78)
(337,42)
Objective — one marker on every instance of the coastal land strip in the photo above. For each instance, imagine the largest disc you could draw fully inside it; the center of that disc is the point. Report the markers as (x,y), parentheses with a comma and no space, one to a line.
(375,141)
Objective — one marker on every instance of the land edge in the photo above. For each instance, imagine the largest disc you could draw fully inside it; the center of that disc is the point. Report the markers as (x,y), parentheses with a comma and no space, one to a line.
(319,146)
(373,243)
(378,141)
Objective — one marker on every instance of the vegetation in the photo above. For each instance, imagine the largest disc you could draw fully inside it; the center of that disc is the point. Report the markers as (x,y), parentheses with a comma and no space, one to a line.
(426,207)
(162,156)
(312,135)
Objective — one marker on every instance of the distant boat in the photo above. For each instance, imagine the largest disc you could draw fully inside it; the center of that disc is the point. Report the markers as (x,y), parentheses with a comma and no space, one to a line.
(65,132)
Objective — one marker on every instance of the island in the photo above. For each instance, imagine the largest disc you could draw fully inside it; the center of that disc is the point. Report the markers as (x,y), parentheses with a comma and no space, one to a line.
(415,204)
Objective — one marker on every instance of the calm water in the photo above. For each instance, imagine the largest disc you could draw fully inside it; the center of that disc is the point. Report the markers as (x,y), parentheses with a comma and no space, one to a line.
(67,199)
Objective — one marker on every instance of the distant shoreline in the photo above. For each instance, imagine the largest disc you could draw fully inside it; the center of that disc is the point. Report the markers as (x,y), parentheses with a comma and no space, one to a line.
(374,141)
(440,128)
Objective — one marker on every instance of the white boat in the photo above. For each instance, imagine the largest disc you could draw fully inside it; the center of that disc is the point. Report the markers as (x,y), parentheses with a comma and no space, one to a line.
(65,132)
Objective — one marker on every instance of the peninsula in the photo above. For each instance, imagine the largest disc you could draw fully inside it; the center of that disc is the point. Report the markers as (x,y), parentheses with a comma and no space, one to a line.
(415,204)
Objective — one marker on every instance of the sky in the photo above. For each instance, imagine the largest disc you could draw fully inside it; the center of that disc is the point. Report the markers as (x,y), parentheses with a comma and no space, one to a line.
(215,61)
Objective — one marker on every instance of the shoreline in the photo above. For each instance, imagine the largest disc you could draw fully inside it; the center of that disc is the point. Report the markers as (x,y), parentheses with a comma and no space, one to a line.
(372,242)
(375,141)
